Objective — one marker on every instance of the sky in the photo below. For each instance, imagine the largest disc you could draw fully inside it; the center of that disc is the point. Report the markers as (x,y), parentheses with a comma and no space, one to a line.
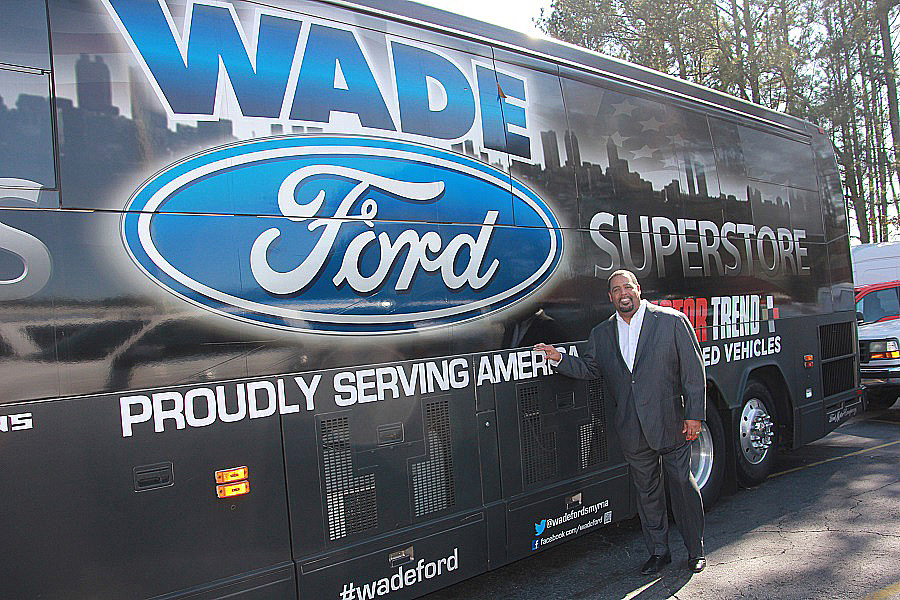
(512,14)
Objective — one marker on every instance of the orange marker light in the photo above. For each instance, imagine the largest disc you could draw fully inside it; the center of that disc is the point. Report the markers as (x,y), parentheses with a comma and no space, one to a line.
(233,489)
(229,475)
(884,349)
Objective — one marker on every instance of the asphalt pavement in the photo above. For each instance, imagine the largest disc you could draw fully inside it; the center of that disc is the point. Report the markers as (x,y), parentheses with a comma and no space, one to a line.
(825,525)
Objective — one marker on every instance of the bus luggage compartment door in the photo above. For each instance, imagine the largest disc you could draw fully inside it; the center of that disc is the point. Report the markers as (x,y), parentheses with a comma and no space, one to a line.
(90,512)
(370,475)
(561,466)
(553,429)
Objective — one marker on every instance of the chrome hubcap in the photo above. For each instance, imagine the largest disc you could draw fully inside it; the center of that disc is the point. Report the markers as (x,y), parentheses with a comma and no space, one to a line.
(702,456)
(755,431)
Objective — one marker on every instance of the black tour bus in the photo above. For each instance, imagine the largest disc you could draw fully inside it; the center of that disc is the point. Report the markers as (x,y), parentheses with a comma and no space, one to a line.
(270,273)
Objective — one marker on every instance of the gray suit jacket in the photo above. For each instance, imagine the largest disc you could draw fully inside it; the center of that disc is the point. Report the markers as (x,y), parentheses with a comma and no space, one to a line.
(668,384)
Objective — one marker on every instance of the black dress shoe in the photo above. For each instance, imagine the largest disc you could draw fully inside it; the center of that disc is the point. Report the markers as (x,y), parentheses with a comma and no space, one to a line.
(655,563)
(696,563)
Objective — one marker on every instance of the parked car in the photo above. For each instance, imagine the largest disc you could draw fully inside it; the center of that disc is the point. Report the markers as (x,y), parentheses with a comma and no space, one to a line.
(879,362)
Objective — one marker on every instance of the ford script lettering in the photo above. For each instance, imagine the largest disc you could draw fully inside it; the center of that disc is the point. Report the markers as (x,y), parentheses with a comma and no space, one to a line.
(297,279)
(347,235)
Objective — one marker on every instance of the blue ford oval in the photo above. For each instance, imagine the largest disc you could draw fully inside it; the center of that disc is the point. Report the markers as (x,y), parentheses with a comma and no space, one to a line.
(346,235)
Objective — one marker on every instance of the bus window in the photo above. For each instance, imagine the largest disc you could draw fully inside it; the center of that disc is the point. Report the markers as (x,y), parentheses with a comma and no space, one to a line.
(697,165)
(556,151)
(770,204)
(585,99)
(780,173)
(777,159)
(833,211)
(806,213)
(26,133)
(731,170)
(23,34)
(628,153)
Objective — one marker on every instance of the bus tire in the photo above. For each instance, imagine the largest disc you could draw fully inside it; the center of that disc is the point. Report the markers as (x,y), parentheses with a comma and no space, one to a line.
(708,457)
(755,435)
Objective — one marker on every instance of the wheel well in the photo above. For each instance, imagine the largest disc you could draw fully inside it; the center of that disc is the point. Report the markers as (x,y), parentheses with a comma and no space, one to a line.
(714,395)
(716,401)
(772,377)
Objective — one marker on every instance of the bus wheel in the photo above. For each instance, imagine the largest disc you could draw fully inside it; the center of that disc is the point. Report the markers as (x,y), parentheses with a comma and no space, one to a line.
(754,435)
(708,457)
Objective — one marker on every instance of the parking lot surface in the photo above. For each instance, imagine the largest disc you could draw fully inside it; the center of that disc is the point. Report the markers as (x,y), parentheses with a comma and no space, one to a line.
(825,525)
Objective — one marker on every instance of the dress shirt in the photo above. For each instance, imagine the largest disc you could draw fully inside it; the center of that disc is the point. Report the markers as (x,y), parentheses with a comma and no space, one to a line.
(630,333)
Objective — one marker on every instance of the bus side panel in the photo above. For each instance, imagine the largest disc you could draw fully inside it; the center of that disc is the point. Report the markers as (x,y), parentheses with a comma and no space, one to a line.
(407,565)
(386,460)
(561,466)
(108,507)
(564,511)
(29,326)
(552,430)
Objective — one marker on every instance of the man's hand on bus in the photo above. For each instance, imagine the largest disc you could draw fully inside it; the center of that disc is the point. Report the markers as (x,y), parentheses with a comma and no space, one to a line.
(549,351)
(691,429)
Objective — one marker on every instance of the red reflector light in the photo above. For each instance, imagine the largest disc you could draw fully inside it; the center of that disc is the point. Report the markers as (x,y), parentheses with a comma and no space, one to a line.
(229,475)
(808,357)
(233,489)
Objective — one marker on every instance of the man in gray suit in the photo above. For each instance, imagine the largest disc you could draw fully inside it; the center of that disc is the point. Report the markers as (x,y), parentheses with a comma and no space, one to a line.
(652,368)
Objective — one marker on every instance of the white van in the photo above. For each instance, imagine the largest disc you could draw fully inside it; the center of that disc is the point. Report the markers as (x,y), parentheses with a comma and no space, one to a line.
(875,263)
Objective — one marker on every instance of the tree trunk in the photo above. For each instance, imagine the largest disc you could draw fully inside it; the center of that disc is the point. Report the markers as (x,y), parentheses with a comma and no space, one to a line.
(752,58)
(890,79)
(736,20)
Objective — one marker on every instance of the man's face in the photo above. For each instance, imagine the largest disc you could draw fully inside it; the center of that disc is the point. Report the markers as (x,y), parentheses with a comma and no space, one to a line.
(625,294)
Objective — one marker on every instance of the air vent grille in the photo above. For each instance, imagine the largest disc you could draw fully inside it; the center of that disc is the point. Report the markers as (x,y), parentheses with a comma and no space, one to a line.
(836,340)
(350,501)
(836,347)
(594,449)
(539,453)
(433,480)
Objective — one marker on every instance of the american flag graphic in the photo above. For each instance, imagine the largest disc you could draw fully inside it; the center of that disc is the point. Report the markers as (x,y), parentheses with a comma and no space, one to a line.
(645,134)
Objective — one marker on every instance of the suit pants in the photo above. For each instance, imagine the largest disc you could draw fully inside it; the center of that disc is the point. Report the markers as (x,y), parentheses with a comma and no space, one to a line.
(647,467)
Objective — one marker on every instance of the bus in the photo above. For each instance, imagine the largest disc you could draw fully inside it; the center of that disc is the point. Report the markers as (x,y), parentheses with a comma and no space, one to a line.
(271,273)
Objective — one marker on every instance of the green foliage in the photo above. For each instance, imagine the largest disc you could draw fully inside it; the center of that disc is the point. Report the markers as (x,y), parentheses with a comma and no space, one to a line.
(829,61)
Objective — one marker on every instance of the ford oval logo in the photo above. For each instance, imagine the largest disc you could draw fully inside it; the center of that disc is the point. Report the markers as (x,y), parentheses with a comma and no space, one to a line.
(349,235)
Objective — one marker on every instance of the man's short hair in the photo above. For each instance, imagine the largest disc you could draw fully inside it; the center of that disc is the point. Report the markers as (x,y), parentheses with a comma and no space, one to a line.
(624,272)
